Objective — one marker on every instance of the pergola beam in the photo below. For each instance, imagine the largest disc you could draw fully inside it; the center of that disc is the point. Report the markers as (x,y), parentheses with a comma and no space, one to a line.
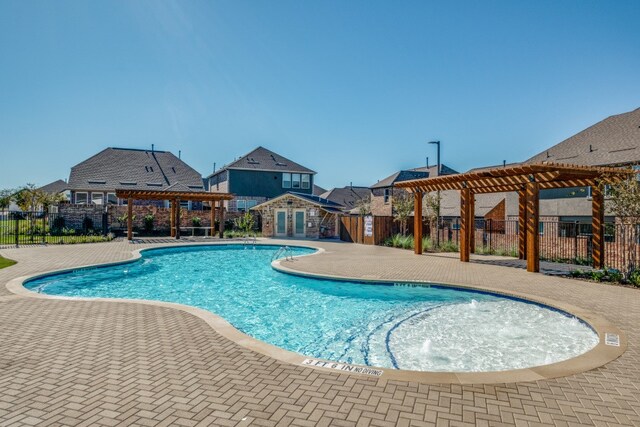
(527,180)
(174,198)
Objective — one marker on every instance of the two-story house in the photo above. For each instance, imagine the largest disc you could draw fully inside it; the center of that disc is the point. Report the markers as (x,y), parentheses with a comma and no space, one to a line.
(259,176)
(95,180)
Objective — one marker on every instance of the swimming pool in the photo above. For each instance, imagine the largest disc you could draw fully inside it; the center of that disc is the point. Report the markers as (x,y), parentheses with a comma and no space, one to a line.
(400,326)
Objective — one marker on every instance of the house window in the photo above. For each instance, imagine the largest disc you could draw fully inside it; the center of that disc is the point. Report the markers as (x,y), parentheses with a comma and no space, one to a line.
(295,180)
(386,195)
(184,204)
(241,205)
(112,199)
(541,227)
(251,203)
(97,198)
(306,181)
(81,198)
(286,180)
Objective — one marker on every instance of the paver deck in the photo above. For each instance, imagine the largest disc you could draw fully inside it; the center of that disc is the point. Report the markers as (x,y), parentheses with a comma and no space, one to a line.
(114,363)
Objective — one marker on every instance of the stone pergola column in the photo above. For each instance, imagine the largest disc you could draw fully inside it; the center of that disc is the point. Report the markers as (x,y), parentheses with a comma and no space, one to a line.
(597,226)
(465,195)
(522,224)
(533,227)
(129,218)
(417,222)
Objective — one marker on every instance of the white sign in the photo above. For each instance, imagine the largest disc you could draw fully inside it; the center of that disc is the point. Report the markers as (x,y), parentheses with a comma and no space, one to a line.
(368,226)
(345,367)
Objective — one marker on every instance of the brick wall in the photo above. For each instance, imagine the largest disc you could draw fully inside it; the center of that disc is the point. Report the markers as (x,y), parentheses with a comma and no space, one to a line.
(162,217)
(74,215)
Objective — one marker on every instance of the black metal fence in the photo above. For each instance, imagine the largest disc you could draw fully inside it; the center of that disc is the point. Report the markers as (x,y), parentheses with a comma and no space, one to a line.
(565,242)
(40,227)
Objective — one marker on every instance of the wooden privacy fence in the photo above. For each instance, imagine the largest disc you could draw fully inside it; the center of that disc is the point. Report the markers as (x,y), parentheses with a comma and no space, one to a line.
(352,229)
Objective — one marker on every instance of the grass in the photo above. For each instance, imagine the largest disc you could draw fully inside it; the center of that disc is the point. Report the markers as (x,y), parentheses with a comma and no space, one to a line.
(6,262)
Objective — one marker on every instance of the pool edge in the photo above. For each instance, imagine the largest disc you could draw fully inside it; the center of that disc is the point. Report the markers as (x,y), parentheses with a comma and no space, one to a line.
(600,355)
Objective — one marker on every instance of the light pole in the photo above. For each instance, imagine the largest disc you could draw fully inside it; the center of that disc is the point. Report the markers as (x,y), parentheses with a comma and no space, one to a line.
(438,205)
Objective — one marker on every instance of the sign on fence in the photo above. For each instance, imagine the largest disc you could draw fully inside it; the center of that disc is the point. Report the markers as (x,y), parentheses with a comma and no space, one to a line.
(368,226)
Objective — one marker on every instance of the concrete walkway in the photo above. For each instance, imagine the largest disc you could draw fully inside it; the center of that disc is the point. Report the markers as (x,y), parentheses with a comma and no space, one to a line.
(115,363)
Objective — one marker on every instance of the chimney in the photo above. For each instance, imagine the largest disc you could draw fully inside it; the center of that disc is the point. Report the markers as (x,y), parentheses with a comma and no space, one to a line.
(214,167)
(179,154)
(152,147)
(504,163)
(427,161)
(351,185)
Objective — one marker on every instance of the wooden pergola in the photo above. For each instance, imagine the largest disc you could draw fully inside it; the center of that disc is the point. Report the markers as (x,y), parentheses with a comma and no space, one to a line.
(175,197)
(527,181)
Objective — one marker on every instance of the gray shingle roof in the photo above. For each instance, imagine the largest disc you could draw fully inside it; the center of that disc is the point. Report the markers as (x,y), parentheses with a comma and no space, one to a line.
(263,159)
(55,187)
(114,168)
(613,141)
(317,190)
(316,200)
(415,173)
(347,196)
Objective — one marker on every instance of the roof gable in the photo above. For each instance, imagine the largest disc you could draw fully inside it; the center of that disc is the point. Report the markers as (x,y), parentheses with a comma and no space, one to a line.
(262,159)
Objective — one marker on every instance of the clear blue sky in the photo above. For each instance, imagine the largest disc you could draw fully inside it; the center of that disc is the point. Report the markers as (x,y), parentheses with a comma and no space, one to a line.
(353,90)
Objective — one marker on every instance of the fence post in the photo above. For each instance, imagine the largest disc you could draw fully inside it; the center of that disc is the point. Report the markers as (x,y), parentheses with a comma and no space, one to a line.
(17,230)
(44,226)
(575,242)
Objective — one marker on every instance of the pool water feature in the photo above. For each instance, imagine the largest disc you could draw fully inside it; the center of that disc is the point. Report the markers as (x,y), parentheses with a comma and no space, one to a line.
(399,326)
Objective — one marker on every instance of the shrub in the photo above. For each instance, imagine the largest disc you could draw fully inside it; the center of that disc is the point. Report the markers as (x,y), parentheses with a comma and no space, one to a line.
(87,224)
(634,277)
(196,221)
(149,219)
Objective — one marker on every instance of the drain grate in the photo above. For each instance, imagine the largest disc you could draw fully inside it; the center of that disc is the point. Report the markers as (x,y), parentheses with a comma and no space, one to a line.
(612,339)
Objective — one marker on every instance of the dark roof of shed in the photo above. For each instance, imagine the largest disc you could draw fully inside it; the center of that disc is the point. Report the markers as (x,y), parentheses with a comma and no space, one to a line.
(55,187)
(612,141)
(266,160)
(133,169)
(316,200)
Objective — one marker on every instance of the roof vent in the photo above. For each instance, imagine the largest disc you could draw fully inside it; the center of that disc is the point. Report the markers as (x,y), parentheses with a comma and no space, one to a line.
(97,182)
(154,184)
(128,183)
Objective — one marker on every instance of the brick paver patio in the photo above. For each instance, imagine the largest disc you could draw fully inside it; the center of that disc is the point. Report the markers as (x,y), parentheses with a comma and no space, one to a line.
(115,363)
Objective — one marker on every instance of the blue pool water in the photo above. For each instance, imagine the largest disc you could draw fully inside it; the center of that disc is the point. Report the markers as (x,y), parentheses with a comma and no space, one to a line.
(393,325)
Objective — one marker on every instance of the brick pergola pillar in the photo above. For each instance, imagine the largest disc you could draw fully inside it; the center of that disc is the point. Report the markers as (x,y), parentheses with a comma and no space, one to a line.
(597,226)
(417,222)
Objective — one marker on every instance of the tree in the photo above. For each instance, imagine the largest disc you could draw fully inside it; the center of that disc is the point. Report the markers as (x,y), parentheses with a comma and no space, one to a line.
(30,198)
(624,200)
(364,205)
(402,209)
(245,223)
(6,196)
(431,207)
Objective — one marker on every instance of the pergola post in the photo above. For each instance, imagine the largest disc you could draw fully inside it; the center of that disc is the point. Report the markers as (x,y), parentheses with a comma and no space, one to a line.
(472,222)
(465,195)
(597,226)
(221,219)
(417,222)
(177,208)
(172,217)
(533,223)
(522,224)
(212,230)
(129,218)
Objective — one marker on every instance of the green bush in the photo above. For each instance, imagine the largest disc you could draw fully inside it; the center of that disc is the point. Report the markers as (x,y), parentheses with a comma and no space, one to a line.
(196,221)
(634,277)
(149,220)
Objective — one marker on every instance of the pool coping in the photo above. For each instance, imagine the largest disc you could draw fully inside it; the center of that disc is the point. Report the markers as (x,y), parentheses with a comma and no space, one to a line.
(600,355)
